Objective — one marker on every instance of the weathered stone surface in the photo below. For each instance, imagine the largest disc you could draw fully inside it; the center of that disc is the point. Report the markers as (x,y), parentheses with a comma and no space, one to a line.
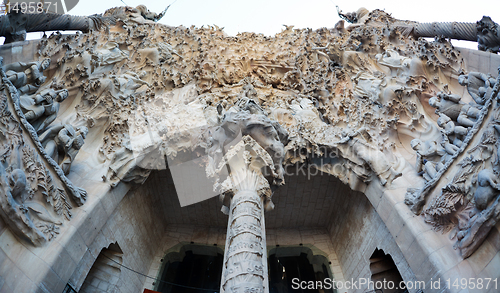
(377,109)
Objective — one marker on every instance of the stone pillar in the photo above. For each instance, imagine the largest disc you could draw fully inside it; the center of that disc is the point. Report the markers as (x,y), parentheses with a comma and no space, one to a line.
(246,195)
(245,256)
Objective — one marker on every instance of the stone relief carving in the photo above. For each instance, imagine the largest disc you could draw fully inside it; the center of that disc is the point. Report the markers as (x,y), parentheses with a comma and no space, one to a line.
(62,143)
(26,77)
(469,206)
(350,100)
(28,186)
(140,14)
(41,109)
(451,107)
(488,35)
(77,194)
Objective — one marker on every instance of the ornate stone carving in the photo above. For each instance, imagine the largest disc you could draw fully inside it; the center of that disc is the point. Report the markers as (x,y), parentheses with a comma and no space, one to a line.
(26,184)
(62,143)
(468,206)
(485,32)
(27,77)
(488,35)
(139,14)
(347,100)
(415,198)
(41,109)
(478,85)
(77,194)
(245,265)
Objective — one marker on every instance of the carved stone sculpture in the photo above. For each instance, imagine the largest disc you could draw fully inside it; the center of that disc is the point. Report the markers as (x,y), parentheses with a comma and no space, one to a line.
(485,32)
(451,106)
(487,214)
(27,77)
(487,189)
(245,266)
(478,85)
(41,109)
(140,14)
(62,143)
(452,132)
(488,35)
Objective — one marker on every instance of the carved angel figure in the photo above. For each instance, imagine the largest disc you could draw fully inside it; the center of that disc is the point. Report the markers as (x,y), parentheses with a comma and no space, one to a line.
(62,143)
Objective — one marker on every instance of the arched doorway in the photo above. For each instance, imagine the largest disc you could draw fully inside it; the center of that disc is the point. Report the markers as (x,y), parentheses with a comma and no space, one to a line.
(292,269)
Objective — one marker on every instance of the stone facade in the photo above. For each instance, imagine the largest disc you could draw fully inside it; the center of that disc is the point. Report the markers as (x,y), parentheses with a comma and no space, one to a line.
(123,143)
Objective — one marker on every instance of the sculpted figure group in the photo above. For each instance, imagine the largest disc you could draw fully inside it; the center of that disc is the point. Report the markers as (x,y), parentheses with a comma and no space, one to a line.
(41,107)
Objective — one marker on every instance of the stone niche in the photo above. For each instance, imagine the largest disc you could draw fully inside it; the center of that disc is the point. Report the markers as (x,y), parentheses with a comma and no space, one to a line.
(364,149)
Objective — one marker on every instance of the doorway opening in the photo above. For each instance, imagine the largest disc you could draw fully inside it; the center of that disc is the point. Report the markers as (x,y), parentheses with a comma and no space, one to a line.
(383,268)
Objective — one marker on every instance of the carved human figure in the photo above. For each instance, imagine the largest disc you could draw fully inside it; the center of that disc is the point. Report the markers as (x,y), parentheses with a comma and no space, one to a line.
(452,131)
(237,124)
(478,85)
(62,143)
(27,77)
(450,105)
(427,152)
(41,109)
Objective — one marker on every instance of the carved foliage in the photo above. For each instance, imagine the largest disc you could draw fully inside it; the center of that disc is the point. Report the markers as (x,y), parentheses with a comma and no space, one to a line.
(28,188)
